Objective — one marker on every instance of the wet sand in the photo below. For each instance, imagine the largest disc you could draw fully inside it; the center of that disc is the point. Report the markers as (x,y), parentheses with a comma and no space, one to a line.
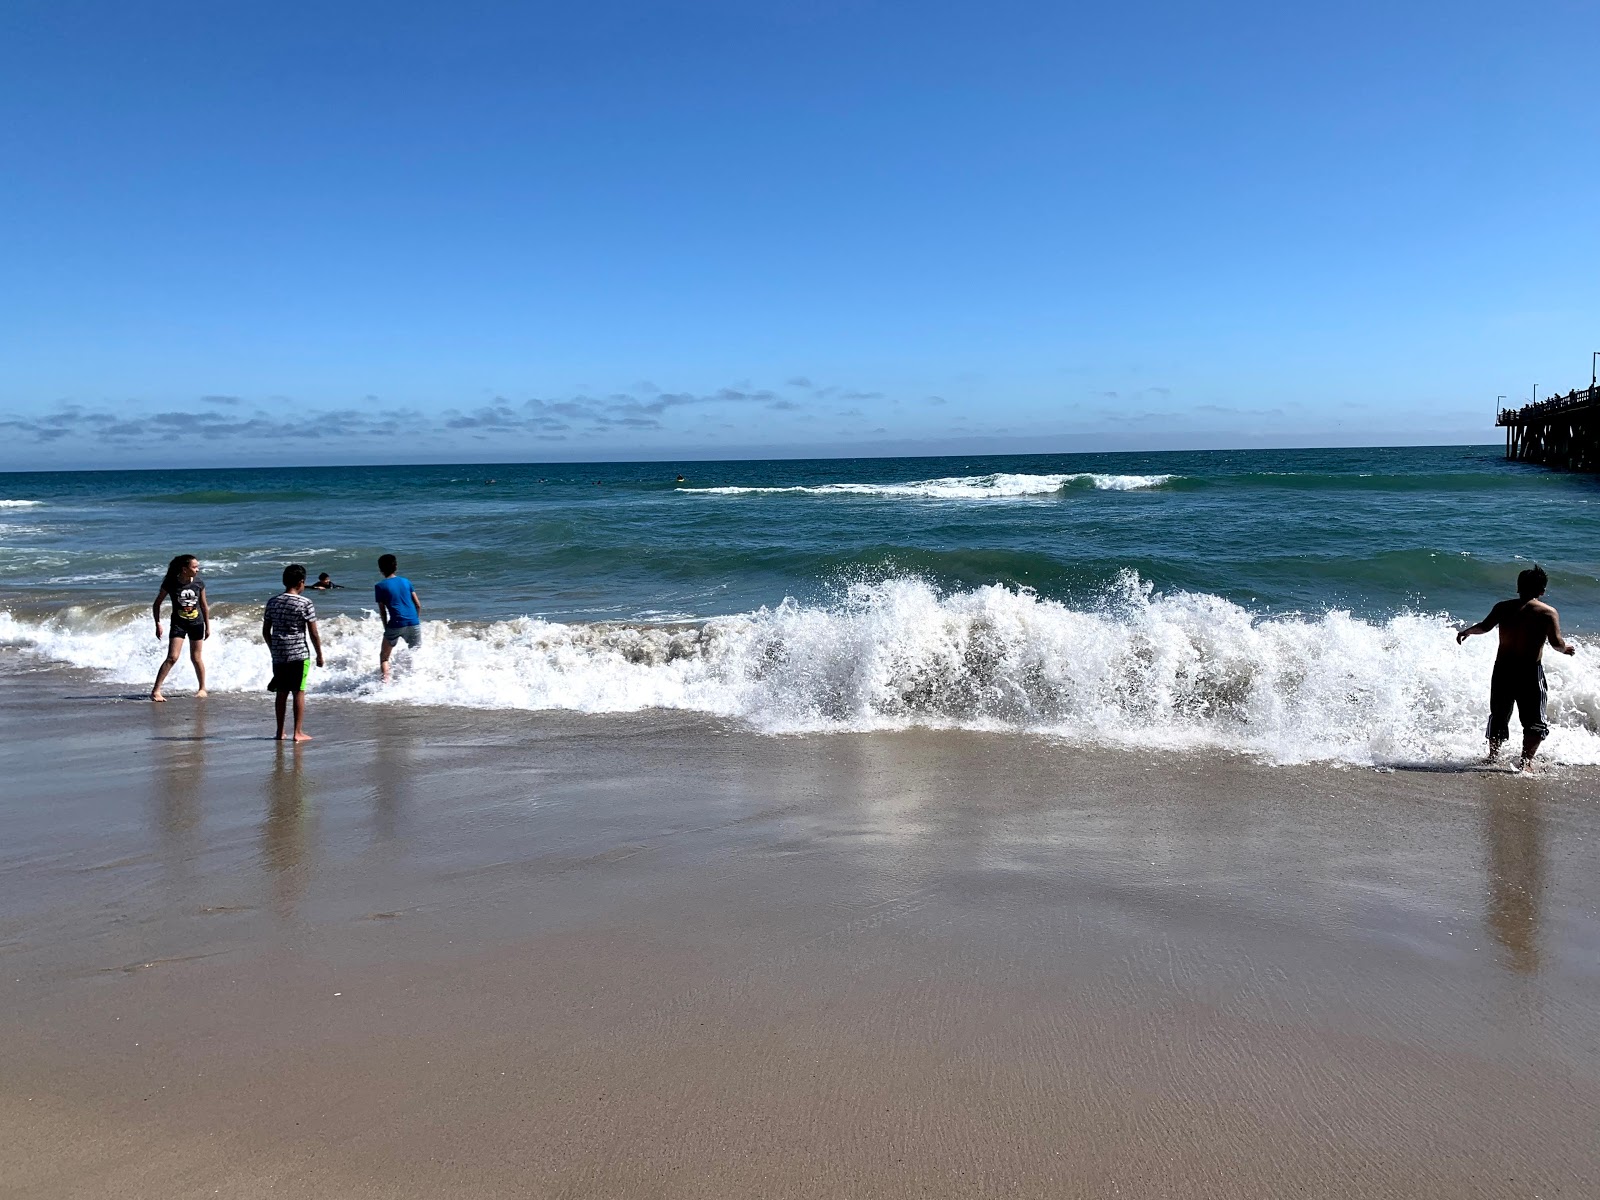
(439,953)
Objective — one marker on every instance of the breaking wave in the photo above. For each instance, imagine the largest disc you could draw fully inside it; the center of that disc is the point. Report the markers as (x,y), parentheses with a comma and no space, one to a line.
(20,503)
(1140,669)
(967,487)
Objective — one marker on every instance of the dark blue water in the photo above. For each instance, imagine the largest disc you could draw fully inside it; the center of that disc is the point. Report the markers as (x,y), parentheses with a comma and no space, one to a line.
(1373,531)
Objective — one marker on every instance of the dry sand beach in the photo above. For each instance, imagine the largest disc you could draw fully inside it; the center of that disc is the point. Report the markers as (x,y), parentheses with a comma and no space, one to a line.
(445,953)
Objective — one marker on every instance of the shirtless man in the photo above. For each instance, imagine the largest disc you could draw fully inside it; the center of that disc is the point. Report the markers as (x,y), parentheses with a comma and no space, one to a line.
(1526,624)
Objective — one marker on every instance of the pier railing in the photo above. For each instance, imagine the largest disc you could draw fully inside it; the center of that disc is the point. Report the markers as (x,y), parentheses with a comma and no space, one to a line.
(1576,398)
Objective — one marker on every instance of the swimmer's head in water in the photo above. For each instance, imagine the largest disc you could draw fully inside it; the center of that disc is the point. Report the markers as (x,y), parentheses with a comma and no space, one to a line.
(1532,582)
(388,564)
(293,576)
(321,577)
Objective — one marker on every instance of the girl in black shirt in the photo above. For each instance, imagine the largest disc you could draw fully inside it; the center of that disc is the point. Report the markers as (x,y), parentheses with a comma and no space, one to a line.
(191,619)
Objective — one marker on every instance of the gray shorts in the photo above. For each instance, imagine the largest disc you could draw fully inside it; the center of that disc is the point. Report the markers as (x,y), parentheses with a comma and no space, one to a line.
(411,635)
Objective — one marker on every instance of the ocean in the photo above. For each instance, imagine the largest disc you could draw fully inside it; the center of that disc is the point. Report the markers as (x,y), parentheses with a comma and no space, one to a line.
(1293,605)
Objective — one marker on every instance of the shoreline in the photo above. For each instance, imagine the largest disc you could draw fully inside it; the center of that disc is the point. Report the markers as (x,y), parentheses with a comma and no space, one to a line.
(1180,674)
(465,952)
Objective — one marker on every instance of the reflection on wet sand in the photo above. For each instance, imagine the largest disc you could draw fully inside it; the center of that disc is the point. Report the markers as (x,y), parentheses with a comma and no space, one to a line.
(391,774)
(179,784)
(1514,833)
(620,946)
(284,834)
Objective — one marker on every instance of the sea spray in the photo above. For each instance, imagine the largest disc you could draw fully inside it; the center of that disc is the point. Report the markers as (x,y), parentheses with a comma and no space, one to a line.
(1140,669)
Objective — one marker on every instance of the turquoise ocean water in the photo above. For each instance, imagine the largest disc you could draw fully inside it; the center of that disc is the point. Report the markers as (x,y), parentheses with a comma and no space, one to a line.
(1291,604)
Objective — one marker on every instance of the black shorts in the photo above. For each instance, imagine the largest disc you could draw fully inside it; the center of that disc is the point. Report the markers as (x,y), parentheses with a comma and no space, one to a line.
(193,630)
(290,676)
(1519,683)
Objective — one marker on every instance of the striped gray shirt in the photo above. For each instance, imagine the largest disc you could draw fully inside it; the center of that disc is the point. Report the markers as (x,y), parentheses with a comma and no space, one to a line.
(286,618)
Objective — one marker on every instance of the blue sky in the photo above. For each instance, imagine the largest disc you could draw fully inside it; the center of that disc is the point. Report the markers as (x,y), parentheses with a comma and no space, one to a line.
(356,232)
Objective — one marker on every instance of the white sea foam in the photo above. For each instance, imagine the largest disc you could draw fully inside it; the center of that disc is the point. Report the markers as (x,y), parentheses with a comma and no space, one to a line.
(966,487)
(20,503)
(1177,671)
(100,577)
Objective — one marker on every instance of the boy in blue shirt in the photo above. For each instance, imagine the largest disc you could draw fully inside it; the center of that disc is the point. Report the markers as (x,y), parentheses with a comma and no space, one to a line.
(399,609)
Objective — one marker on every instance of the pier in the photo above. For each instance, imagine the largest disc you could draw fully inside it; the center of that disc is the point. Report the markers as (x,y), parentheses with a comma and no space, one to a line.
(1563,431)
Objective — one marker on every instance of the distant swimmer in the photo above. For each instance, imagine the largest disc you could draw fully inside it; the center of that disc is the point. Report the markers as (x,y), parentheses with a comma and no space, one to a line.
(680,478)
(1525,625)
(325,584)
(191,619)
(290,620)
(399,609)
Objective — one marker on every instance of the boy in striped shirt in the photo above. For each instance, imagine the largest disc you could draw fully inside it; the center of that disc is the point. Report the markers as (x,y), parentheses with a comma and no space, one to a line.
(288,621)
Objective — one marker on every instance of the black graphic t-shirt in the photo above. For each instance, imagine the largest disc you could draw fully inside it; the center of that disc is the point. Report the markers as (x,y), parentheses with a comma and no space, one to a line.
(186,600)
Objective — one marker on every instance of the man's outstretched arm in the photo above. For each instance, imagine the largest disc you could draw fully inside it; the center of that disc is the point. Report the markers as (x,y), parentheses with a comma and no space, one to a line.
(1483,626)
(1557,642)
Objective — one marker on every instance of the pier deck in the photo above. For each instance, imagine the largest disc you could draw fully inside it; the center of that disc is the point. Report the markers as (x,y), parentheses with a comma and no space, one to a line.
(1563,431)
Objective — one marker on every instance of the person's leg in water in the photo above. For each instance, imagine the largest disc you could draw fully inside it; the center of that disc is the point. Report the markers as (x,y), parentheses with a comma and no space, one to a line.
(287,679)
(174,649)
(1502,698)
(1530,747)
(1530,711)
(411,635)
(299,718)
(198,659)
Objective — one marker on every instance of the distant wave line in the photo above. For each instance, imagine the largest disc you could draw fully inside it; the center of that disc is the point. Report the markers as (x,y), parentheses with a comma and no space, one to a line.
(962,487)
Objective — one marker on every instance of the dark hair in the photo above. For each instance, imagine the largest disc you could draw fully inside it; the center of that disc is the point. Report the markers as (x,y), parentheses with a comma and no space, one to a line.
(324,575)
(173,578)
(1532,582)
(293,575)
(388,564)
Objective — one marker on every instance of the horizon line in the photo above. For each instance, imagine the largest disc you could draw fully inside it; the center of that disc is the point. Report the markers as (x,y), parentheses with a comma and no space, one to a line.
(622,462)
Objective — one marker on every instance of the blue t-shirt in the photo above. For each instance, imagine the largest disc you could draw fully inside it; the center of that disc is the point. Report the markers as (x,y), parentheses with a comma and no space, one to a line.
(396,593)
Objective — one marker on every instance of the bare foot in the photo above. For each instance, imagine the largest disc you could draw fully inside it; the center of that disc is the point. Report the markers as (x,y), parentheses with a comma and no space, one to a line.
(200,695)
(302,737)
(1524,766)
(158,698)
